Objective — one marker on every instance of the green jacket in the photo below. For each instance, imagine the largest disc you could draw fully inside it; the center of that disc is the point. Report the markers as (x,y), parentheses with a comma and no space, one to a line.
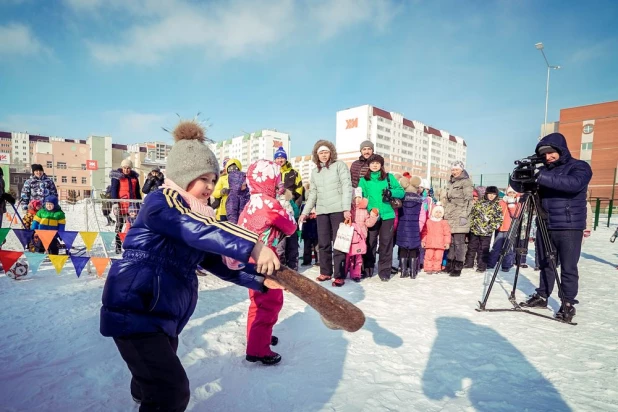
(372,190)
(486,217)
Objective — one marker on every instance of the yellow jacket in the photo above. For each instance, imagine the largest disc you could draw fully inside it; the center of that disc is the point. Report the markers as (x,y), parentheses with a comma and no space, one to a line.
(223,184)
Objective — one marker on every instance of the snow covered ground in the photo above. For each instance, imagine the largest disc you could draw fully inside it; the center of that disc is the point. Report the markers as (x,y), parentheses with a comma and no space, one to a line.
(423,348)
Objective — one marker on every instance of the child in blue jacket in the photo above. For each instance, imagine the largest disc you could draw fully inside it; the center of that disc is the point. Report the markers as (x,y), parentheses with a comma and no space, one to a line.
(151,293)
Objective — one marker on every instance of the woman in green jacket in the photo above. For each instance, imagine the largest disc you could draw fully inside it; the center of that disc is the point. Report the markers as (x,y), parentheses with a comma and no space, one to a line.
(374,185)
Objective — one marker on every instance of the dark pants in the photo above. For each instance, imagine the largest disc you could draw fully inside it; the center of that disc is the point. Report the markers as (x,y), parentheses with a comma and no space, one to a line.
(120,220)
(383,230)
(159,380)
(478,249)
(287,250)
(494,255)
(327,233)
(309,246)
(408,253)
(568,245)
(457,251)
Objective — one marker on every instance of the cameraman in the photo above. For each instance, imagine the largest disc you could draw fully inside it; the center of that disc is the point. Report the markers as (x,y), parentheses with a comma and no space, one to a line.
(562,184)
(154,180)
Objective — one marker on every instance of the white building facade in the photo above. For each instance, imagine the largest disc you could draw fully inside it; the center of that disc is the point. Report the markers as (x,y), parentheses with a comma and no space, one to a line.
(406,145)
(303,165)
(252,147)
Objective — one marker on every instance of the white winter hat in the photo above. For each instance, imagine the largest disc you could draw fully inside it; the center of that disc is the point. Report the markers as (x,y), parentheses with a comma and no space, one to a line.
(126,163)
(357,192)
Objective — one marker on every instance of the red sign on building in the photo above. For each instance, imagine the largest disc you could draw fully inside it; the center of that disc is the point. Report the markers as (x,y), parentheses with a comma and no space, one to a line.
(92,165)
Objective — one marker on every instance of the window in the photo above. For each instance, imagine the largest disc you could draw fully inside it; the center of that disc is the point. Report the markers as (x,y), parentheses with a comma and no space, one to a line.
(61,165)
(55,180)
(73,179)
(64,179)
(83,180)
(587,146)
(589,128)
(83,166)
(49,165)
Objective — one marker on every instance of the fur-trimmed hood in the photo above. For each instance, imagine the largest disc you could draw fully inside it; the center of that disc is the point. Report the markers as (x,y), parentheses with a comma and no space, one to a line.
(333,153)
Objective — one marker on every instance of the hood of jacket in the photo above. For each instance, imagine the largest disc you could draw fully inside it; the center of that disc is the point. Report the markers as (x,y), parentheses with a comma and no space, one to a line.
(52,199)
(463,175)
(236,179)
(333,153)
(233,162)
(558,142)
(263,177)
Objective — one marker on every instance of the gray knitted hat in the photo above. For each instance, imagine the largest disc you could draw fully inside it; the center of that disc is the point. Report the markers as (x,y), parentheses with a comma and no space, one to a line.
(366,143)
(190,157)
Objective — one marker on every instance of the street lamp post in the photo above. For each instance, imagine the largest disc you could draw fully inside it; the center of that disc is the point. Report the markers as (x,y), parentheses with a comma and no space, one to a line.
(539,46)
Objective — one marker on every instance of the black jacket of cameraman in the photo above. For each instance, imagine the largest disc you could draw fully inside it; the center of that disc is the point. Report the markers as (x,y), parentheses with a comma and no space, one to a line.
(562,186)
(153,181)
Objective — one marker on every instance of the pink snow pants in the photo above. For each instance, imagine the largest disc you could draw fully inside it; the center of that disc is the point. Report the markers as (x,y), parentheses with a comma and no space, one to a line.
(433,260)
(263,314)
(353,264)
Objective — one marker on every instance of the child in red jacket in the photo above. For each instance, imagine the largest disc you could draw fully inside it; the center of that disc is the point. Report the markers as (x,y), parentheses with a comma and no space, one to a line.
(436,238)
(265,216)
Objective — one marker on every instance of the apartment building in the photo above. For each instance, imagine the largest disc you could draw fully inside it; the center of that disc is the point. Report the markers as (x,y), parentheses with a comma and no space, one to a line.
(304,165)
(406,145)
(251,146)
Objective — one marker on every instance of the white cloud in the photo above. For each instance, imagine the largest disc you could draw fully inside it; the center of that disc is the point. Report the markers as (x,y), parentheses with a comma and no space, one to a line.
(593,52)
(224,30)
(18,39)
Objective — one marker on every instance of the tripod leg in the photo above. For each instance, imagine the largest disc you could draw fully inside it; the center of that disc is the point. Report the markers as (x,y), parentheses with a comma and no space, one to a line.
(526,213)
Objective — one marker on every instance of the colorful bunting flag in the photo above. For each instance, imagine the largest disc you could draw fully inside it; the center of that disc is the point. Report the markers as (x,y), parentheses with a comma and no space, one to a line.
(8,258)
(108,238)
(3,232)
(35,260)
(46,236)
(68,237)
(79,262)
(58,261)
(122,235)
(89,238)
(24,236)
(100,263)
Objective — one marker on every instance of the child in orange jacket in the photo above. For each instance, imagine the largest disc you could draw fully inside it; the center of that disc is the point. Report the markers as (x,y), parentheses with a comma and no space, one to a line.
(436,238)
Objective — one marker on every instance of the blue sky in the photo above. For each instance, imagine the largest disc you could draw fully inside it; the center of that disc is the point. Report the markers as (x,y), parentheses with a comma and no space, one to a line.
(72,68)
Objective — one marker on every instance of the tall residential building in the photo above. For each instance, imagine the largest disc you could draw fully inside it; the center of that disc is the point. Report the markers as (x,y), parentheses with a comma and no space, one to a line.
(251,147)
(406,145)
(304,165)
(592,135)
(156,151)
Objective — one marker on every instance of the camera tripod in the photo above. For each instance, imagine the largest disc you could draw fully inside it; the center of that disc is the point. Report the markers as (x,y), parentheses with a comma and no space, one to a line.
(530,205)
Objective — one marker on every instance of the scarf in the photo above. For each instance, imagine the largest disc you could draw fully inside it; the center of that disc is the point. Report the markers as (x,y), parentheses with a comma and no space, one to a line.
(196,205)
(436,219)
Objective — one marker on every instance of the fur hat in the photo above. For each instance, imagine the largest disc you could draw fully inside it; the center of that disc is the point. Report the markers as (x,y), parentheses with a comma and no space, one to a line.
(190,157)
(492,189)
(376,158)
(458,165)
(280,153)
(410,185)
(35,167)
(367,143)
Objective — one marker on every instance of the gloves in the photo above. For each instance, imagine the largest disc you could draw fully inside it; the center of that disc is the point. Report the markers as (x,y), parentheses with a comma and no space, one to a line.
(10,199)
(463,221)
(24,207)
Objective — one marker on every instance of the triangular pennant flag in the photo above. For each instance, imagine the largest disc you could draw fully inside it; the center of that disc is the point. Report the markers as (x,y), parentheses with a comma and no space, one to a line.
(122,235)
(108,239)
(79,262)
(68,237)
(8,258)
(89,238)
(58,261)
(46,236)
(34,260)
(100,263)
(24,236)
(3,232)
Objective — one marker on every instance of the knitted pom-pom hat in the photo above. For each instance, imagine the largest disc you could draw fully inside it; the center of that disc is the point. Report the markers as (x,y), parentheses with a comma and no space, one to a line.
(190,156)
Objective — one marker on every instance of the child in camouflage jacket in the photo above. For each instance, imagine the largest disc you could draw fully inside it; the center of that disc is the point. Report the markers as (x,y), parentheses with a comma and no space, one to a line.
(485,218)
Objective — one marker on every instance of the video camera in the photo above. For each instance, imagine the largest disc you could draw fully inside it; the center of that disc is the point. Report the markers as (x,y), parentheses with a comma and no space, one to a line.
(525,168)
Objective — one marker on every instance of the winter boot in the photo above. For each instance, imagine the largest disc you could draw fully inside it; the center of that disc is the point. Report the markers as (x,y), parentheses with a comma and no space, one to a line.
(323,278)
(457,267)
(338,282)
(405,270)
(535,301)
(449,266)
(266,360)
(413,267)
(395,270)
(566,312)
(274,340)
(367,273)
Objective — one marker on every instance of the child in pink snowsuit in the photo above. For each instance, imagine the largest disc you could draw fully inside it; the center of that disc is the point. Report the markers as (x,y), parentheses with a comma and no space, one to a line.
(436,238)
(361,220)
(265,216)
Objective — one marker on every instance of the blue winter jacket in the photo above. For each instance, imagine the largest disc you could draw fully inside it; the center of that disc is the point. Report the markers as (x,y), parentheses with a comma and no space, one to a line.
(237,198)
(562,186)
(153,288)
(408,230)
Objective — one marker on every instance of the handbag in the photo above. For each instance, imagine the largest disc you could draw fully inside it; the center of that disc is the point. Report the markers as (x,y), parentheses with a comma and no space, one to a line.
(343,241)
(395,202)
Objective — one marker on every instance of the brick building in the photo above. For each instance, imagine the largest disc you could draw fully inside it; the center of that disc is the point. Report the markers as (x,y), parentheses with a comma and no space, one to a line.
(592,135)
